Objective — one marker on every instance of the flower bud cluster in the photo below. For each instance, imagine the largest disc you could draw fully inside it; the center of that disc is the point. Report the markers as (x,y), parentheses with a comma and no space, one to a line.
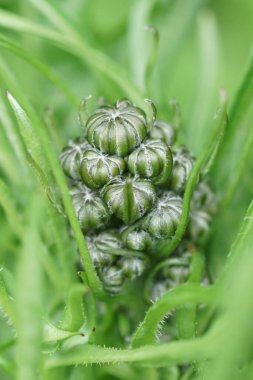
(127,179)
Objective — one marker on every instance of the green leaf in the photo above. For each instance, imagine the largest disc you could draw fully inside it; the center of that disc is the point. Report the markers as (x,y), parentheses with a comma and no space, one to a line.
(6,303)
(54,334)
(160,356)
(36,135)
(8,203)
(75,316)
(27,132)
(29,295)
(43,68)
(146,332)
(96,60)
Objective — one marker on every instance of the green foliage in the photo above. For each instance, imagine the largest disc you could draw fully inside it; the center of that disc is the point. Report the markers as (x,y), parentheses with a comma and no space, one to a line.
(58,323)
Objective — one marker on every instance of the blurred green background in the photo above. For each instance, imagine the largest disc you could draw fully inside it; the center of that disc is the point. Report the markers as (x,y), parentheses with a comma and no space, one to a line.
(203,46)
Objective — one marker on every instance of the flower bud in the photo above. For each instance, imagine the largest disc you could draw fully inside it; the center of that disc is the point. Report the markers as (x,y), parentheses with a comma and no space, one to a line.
(91,211)
(96,168)
(152,160)
(163,219)
(71,155)
(175,271)
(112,278)
(99,258)
(138,240)
(183,163)
(199,224)
(117,129)
(128,198)
(132,267)
(163,131)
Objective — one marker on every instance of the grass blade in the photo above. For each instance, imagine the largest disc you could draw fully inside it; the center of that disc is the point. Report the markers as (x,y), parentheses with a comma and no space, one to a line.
(9,205)
(29,295)
(44,69)
(7,308)
(38,129)
(95,59)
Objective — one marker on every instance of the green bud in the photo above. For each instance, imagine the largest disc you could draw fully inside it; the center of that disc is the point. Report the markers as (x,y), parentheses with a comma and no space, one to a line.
(163,219)
(128,198)
(112,278)
(91,211)
(152,160)
(99,258)
(138,240)
(108,240)
(175,271)
(199,224)
(183,162)
(132,267)
(204,198)
(96,168)
(117,129)
(163,131)
(71,155)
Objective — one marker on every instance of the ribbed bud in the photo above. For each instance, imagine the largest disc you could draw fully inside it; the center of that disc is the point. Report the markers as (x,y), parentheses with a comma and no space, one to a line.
(128,198)
(152,160)
(99,258)
(162,221)
(163,131)
(199,224)
(175,272)
(138,240)
(96,168)
(204,198)
(91,211)
(183,163)
(71,155)
(117,129)
(132,267)
(112,278)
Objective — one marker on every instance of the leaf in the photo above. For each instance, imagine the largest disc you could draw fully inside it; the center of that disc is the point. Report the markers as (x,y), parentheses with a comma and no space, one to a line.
(29,295)
(235,326)
(10,207)
(27,132)
(206,80)
(5,301)
(160,356)
(146,332)
(43,68)
(96,60)
(46,154)
(54,334)
(137,39)
(74,316)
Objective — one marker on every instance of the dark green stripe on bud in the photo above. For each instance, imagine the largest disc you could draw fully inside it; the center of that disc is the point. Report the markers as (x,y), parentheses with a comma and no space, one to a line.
(128,198)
